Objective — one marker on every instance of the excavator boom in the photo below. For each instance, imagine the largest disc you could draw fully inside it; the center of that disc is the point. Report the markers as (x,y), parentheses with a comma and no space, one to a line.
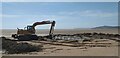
(43,22)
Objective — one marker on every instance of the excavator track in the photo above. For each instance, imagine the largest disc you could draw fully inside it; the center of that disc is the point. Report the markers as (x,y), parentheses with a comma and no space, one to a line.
(26,37)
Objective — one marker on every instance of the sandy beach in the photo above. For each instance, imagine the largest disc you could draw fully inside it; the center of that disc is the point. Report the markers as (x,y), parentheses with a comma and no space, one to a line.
(59,50)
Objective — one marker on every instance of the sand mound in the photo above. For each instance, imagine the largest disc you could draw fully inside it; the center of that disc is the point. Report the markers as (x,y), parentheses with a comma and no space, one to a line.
(12,47)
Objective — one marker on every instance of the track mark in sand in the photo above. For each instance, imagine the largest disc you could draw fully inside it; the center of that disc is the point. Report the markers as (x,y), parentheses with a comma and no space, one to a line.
(56,50)
(68,49)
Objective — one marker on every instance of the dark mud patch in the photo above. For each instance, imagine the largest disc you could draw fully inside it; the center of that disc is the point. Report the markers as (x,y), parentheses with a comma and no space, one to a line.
(12,47)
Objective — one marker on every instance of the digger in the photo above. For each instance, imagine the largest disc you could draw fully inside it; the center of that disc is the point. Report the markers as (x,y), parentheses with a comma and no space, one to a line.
(28,33)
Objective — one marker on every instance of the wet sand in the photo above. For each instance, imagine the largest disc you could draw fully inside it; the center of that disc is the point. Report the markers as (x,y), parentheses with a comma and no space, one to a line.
(9,32)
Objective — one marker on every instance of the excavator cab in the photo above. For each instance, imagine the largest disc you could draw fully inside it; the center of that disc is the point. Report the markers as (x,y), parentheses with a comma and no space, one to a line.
(26,30)
(29,28)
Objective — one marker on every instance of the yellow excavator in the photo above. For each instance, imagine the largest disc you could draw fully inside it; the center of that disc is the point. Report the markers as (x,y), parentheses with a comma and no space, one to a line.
(28,33)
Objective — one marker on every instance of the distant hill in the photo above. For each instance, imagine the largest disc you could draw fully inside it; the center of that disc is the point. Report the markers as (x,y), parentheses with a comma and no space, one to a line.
(106,27)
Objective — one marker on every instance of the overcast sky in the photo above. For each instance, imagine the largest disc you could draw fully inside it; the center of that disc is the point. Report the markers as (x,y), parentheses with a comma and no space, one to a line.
(68,15)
